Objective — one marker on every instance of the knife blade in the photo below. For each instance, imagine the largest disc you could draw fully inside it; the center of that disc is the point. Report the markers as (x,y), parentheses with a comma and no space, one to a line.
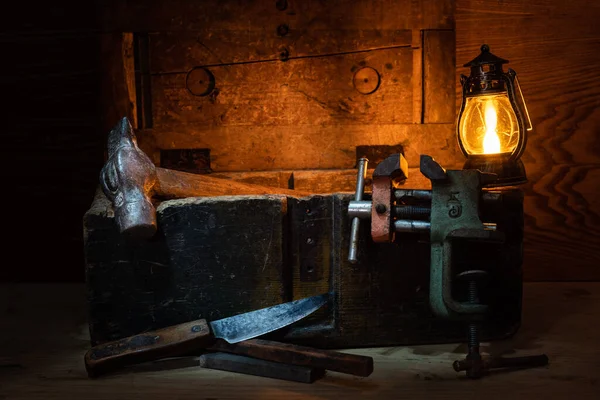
(180,339)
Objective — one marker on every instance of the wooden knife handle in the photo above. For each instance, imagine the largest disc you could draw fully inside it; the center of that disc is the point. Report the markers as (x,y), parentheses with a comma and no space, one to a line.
(298,355)
(172,341)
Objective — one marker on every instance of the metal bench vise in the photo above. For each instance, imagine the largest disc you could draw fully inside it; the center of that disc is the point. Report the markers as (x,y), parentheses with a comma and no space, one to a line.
(452,213)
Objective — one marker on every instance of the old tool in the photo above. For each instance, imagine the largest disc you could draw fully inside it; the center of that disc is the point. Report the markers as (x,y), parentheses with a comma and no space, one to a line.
(257,367)
(451,215)
(130,180)
(196,335)
(287,353)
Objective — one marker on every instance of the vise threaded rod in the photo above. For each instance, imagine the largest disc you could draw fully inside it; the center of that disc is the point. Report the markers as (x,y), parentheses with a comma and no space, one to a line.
(412,212)
(473,335)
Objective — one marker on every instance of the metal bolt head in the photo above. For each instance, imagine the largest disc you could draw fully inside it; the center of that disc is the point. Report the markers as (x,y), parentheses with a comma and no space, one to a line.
(380,208)
(283,30)
(281,5)
(284,54)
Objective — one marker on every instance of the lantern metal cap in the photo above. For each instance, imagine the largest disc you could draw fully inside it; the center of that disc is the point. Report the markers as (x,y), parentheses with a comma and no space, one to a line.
(485,58)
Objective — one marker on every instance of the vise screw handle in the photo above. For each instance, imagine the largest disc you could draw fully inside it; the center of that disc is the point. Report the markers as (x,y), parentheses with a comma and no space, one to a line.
(360,189)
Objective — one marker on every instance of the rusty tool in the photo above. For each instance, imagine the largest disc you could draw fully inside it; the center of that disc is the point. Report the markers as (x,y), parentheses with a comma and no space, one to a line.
(302,356)
(196,335)
(130,180)
(476,367)
(257,367)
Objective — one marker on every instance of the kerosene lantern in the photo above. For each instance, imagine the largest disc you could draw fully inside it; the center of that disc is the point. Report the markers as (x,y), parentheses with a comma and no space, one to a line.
(493,120)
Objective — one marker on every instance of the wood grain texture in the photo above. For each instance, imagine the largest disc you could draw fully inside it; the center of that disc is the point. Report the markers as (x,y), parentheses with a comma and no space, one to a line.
(308,91)
(556,321)
(318,181)
(253,366)
(118,86)
(249,44)
(553,47)
(172,341)
(220,256)
(176,184)
(170,279)
(267,114)
(304,147)
(438,58)
(286,353)
(218,16)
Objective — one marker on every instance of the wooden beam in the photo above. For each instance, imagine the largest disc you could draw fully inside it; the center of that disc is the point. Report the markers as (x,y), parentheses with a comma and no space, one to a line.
(118,79)
(438,81)
(303,147)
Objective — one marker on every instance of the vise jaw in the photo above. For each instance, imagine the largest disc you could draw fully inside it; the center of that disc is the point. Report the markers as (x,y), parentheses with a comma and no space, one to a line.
(449,212)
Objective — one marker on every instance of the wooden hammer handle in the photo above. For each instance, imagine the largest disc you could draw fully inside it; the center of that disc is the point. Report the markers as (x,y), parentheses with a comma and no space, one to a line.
(172,341)
(178,184)
(298,355)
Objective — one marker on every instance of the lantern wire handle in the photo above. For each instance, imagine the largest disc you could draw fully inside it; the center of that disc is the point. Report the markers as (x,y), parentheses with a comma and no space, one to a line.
(529,126)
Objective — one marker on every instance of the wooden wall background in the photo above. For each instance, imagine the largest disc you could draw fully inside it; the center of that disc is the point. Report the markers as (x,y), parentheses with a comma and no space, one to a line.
(53,146)
(554,47)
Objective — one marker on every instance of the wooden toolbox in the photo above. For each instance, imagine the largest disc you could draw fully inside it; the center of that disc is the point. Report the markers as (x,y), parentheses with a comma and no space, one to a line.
(286,94)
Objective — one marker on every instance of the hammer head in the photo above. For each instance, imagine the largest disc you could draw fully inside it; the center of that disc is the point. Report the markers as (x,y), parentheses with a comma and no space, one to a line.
(127,179)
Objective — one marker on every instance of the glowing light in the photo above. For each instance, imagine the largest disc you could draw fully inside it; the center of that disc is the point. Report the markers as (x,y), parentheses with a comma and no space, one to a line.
(491,141)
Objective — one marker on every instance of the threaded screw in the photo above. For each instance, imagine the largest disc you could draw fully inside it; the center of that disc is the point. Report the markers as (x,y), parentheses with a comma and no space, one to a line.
(473,339)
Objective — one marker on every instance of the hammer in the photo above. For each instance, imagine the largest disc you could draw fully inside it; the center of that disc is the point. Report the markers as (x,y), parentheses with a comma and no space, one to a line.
(130,179)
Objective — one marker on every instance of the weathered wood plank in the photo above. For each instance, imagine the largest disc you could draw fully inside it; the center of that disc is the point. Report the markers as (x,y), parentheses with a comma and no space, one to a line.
(433,14)
(318,181)
(173,184)
(304,147)
(172,52)
(118,86)
(220,256)
(417,76)
(553,47)
(170,279)
(253,366)
(438,85)
(316,89)
(313,91)
(215,15)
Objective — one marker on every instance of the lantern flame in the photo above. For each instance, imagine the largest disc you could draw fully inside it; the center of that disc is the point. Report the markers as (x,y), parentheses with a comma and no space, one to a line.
(491,141)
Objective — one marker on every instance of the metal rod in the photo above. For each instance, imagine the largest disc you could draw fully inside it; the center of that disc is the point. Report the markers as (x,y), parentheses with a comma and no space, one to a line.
(360,209)
(360,188)
(360,181)
(413,193)
(519,362)
(489,226)
(407,225)
(500,362)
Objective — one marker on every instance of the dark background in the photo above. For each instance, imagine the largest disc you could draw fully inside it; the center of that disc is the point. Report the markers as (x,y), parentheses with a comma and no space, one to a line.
(52,144)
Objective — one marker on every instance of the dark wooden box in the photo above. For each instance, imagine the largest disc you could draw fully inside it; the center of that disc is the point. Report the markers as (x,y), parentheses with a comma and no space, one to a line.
(219,256)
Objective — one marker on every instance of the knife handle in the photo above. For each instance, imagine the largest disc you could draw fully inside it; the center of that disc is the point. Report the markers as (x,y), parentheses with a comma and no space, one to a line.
(287,353)
(149,346)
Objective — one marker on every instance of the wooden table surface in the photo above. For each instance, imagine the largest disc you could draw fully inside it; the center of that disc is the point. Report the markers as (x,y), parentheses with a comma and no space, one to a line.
(43,336)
